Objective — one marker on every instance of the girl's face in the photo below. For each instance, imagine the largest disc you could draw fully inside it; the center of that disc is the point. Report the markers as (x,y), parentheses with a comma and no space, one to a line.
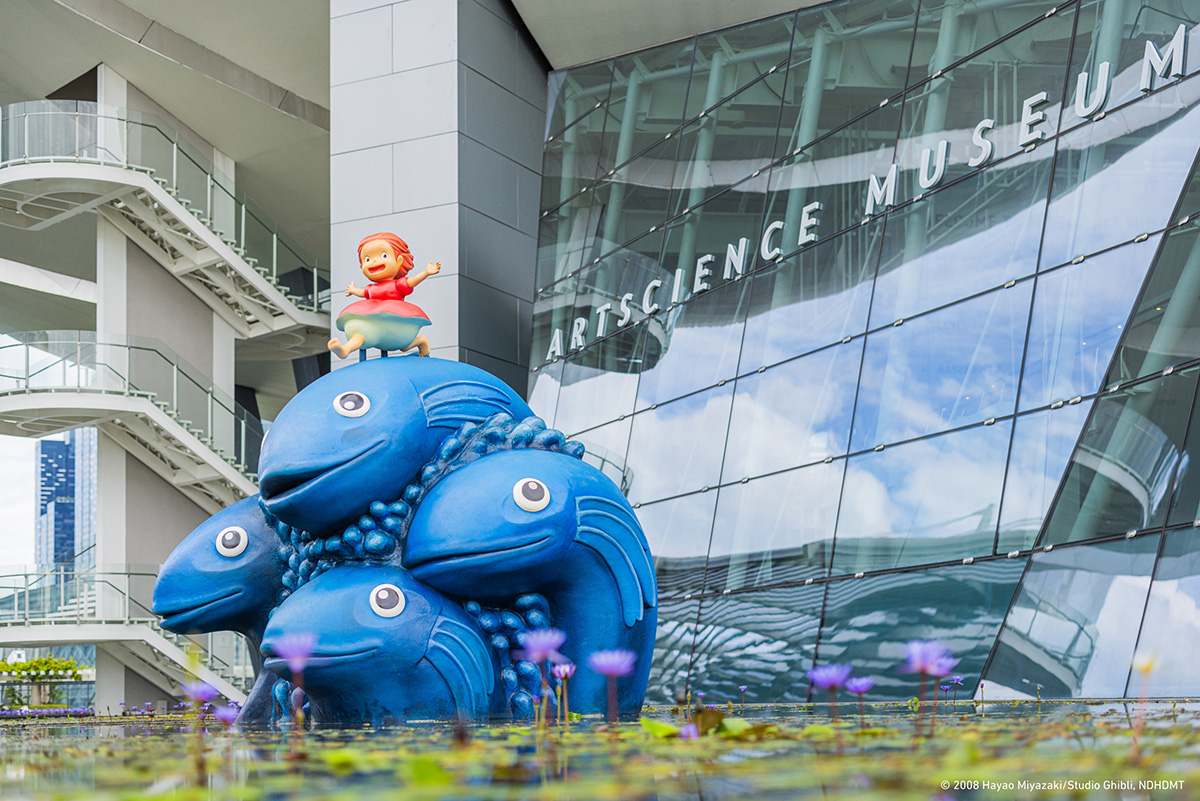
(380,262)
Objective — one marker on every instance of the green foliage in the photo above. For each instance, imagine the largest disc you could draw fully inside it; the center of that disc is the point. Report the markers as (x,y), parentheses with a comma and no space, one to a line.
(31,669)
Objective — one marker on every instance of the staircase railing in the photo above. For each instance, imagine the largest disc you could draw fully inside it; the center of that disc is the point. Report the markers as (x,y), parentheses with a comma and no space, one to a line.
(112,594)
(54,131)
(85,361)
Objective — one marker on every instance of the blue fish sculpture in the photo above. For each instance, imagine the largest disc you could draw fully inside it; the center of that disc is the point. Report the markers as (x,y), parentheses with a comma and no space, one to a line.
(388,649)
(360,434)
(225,576)
(534,521)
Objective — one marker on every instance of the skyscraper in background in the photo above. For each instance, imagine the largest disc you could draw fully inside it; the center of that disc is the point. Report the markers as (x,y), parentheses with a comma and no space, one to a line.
(65,492)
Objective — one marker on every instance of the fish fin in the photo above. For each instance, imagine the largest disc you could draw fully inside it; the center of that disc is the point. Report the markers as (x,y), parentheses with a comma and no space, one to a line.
(458,653)
(615,535)
(454,403)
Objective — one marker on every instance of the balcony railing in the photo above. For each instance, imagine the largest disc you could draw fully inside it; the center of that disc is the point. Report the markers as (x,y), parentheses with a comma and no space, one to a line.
(84,361)
(114,594)
(52,131)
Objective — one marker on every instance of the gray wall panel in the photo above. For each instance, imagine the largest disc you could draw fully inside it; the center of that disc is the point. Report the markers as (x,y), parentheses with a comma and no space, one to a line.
(495,254)
(496,117)
(426,172)
(360,186)
(366,35)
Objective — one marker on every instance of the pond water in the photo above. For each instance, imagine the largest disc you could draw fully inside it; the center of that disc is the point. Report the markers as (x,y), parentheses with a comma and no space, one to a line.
(1011,750)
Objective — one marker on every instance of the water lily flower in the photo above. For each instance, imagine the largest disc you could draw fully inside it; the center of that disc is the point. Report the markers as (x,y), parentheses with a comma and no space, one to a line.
(563,671)
(927,656)
(542,644)
(689,732)
(612,664)
(829,677)
(295,649)
(226,714)
(199,692)
(860,684)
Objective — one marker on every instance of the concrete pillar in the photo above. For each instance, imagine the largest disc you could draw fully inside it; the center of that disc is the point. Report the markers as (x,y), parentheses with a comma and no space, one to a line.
(112,95)
(110,684)
(436,134)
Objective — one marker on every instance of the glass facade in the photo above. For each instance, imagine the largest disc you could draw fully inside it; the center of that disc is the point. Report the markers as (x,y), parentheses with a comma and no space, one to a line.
(885,316)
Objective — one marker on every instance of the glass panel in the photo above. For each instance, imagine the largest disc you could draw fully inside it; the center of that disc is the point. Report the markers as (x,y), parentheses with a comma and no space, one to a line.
(599,384)
(775,529)
(927,501)
(611,289)
(678,531)
(1125,463)
(1078,316)
(845,60)
(606,446)
(794,413)
(1171,626)
(569,159)
(566,236)
(833,172)
(944,38)
(543,390)
(1185,500)
(812,299)
(726,228)
(646,101)
(729,59)
(992,85)
(1140,155)
(702,339)
(974,235)
(677,447)
(956,366)
(868,621)
(633,199)
(672,650)
(1041,452)
(727,144)
(763,640)
(552,320)
(1117,33)
(572,93)
(1073,626)
(1191,196)
(1166,324)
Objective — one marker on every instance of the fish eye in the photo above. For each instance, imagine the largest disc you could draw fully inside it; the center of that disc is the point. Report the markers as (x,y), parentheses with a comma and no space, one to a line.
(351,404)
(387,600)
(531,495)
(232,541)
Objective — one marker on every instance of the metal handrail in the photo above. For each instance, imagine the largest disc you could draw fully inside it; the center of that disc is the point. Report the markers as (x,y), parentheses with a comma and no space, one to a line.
(86,361)
(58,595)
(71,131)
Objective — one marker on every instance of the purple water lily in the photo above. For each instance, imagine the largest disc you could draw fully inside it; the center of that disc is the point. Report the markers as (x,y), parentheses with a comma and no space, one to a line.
(226,714)
(830,677)
(612,665)
(689,732)
(295,649)
(564,671)
(542,644)
(199,692)
(860,684)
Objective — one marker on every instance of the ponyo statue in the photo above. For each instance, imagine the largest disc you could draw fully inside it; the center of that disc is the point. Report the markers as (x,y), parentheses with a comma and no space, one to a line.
(384,319)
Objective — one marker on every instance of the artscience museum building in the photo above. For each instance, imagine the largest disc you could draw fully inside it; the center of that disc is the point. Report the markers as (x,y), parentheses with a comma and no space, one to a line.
(886,317)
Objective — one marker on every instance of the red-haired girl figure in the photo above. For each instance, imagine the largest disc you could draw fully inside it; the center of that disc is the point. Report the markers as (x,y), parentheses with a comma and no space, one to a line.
(383,319)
